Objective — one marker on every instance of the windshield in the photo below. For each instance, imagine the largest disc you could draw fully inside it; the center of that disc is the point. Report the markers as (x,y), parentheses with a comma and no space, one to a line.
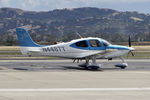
(106,43)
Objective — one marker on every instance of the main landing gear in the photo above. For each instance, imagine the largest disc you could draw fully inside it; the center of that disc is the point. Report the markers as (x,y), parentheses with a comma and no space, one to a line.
(92,66)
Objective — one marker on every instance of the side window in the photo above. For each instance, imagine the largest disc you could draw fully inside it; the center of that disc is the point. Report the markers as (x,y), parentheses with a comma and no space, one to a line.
(105,43)
(81,44)
(95,43)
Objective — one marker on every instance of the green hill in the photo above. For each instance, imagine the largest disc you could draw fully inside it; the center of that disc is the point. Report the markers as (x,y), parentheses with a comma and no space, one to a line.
(62,24)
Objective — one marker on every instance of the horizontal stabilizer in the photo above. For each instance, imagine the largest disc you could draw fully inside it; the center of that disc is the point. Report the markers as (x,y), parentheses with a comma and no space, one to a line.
(33,52)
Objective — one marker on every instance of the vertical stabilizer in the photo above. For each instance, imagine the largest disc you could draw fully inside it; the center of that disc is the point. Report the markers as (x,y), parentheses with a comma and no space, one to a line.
(24,38)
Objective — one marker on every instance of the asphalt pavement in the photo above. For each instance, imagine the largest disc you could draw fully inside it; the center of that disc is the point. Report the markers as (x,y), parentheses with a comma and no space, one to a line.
(62,79)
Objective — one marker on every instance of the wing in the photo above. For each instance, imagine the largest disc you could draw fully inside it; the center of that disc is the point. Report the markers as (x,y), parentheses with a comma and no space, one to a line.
(102,54)
(92,53)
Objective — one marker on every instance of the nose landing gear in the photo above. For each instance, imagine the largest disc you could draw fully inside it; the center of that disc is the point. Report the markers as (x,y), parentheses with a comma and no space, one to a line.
(123,65)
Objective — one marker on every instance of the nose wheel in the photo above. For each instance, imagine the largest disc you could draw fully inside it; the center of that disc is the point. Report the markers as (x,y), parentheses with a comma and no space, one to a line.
(123,65)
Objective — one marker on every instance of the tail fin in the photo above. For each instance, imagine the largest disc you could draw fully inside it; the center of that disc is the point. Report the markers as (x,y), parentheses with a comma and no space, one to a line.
(24,38)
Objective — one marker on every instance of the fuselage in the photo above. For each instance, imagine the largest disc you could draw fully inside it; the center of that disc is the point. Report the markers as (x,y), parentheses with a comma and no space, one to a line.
(79,48)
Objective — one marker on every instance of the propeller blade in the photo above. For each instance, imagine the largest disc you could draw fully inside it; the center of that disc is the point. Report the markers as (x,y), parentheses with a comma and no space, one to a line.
(129,54)
(129,41)
(132,53)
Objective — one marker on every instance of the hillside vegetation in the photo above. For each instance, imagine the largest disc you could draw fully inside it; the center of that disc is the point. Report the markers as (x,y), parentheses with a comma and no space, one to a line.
(62,24)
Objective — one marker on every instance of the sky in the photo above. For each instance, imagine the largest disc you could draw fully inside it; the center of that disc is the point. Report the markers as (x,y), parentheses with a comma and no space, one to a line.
(142,6)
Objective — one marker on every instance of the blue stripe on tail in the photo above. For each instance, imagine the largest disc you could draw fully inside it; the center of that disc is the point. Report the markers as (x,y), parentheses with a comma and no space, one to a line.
(25,39)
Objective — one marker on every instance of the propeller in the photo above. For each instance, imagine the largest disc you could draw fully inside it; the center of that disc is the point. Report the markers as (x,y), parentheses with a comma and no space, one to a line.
(129,43)
(130,52)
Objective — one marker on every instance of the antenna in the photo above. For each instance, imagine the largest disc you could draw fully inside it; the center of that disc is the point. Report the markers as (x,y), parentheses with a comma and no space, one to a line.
(79,35)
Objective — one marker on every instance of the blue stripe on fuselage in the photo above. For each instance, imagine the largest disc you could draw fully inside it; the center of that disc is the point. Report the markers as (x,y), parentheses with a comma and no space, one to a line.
(118,47)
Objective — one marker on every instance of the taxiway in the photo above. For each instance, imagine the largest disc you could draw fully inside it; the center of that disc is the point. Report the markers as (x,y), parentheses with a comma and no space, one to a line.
(60,79)
(68,65)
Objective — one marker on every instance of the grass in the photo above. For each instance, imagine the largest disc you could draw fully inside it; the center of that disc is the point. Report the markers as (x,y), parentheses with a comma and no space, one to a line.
(9,48)
(142,48)
(139,55)
(16,48)
(10,53)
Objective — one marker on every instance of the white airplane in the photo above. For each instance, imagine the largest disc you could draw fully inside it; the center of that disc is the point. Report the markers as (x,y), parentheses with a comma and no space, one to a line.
(85,48)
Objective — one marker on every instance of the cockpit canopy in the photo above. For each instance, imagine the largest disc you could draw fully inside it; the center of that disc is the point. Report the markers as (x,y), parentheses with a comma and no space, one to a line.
(92,43)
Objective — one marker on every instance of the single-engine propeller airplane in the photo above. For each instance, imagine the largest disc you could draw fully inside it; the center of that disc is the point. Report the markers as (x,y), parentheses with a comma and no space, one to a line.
(80,49)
